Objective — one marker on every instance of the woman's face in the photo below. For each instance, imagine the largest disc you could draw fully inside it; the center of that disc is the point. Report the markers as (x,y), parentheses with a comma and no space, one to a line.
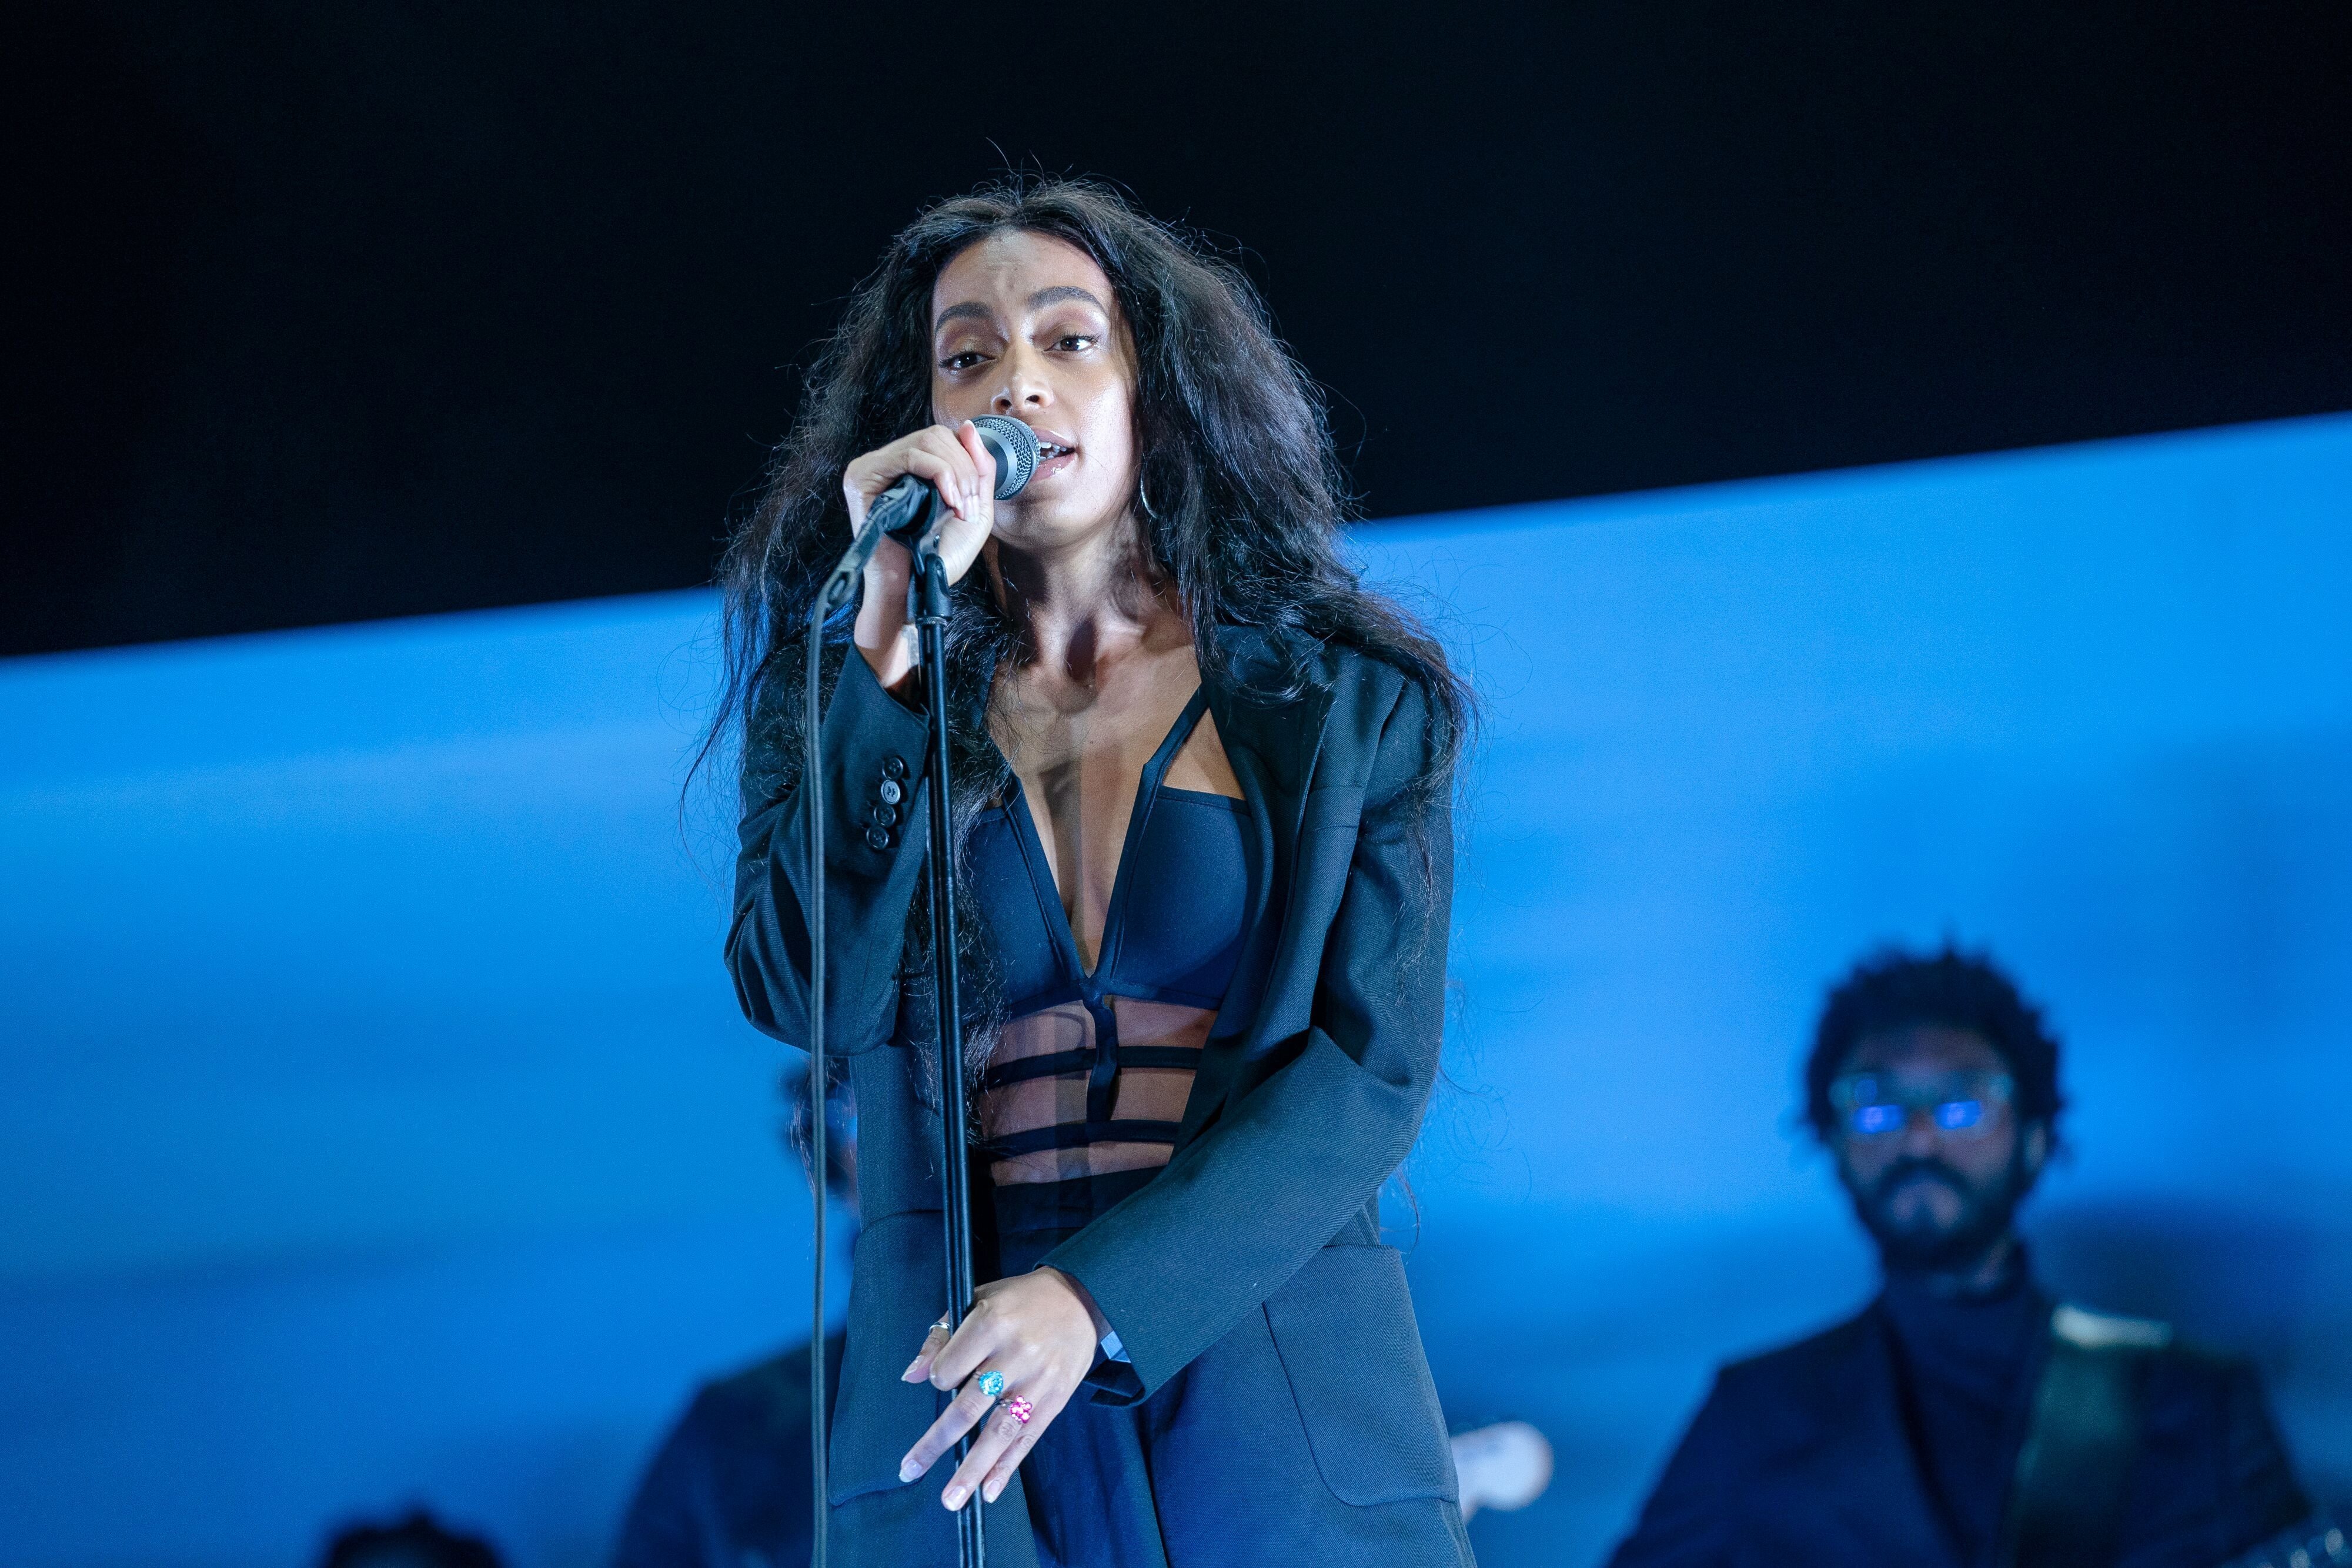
(1026,325)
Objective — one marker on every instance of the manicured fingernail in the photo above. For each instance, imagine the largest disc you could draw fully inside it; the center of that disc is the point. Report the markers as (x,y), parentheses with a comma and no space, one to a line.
(909,1470)
(992,1490)
(911,1373)
(955,1497)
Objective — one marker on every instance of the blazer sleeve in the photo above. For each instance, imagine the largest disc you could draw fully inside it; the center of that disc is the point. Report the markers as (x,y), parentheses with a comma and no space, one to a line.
(1686,1521)
(675,1521)
(1243,1207)
(2213,1480)
(2261,1477)
(871,874)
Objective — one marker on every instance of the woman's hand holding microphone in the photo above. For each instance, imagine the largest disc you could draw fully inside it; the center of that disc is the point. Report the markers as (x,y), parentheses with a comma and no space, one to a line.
(957,464)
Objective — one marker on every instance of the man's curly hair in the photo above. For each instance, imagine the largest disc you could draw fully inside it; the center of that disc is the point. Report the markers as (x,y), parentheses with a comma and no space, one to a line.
(1893,989)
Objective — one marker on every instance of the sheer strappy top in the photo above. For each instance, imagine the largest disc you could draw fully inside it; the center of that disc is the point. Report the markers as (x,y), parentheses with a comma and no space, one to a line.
(1172,932)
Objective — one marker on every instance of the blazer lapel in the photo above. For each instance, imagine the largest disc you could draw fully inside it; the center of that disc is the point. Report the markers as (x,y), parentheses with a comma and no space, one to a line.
(1285,737)
(1273,747)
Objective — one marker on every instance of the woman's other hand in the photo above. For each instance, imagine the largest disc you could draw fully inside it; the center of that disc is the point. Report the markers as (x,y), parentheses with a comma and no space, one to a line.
(1040,1333)
(957,464)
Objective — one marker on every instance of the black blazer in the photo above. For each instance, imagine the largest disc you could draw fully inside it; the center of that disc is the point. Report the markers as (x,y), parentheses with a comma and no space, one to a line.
(1800,1458)
(1266,1221)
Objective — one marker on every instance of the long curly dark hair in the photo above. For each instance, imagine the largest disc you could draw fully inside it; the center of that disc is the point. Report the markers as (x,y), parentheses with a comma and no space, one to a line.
(1235,454)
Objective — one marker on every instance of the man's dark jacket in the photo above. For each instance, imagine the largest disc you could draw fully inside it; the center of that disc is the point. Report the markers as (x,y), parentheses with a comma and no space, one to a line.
(1804,1459)
(1253,1263)
(729,1486)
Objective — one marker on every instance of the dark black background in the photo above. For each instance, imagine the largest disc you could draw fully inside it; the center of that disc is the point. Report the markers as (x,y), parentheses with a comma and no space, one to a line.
(325,312)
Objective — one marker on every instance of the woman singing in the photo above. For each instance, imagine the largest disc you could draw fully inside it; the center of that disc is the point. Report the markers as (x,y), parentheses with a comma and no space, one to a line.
(1201,785)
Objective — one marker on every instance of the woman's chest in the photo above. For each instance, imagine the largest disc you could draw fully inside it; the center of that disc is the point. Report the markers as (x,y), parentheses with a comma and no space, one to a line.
(1087,772)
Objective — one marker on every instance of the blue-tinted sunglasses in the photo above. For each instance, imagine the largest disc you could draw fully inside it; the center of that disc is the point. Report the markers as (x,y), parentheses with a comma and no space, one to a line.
(1873,1104)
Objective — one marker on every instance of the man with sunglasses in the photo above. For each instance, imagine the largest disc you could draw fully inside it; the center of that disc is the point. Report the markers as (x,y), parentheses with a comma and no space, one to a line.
(1964,1418)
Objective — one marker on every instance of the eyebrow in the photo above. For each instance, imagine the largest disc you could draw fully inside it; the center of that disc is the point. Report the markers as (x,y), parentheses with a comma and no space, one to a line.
(973,310)
(1060,292)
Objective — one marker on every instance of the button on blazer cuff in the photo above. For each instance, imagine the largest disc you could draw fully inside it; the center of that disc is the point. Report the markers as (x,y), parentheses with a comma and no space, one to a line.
(873,800)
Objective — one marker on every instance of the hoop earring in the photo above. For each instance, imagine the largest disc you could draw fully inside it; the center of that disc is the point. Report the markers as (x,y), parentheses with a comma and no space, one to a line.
(1143,496)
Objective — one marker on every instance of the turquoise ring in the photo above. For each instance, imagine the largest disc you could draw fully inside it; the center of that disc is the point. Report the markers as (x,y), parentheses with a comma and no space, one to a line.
(991,1384)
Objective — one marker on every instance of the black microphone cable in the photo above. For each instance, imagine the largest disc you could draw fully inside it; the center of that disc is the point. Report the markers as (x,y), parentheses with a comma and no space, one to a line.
(813,789)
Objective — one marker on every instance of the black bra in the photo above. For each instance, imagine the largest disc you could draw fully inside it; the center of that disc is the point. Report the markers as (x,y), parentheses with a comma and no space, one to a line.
(1172,933)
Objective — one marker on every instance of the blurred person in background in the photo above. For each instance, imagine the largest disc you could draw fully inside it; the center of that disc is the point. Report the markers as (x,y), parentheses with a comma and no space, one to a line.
(420,1541)
(1965,1418)
(728,1487)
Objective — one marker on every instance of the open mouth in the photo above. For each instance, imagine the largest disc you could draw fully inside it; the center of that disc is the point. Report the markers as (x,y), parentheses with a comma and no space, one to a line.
(1048,451)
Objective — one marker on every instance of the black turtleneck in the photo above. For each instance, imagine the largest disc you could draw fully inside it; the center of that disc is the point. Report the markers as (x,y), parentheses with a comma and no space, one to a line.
(1966,1364)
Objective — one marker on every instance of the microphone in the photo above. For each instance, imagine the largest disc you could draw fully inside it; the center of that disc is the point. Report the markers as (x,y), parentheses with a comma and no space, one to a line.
(909,508)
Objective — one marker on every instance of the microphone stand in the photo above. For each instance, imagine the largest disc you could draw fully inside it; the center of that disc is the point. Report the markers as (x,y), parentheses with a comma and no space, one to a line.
(909,511)
(929,593)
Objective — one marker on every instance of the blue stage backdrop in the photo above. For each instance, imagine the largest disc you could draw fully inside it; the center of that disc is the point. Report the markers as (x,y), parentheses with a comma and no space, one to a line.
(378,1128)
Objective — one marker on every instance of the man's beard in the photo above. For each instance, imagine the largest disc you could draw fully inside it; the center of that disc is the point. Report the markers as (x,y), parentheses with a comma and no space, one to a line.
(1924,1247)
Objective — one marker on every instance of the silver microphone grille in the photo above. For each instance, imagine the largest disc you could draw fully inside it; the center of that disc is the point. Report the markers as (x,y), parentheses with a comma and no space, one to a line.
(1015,447)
